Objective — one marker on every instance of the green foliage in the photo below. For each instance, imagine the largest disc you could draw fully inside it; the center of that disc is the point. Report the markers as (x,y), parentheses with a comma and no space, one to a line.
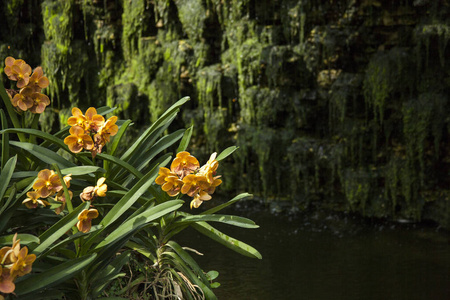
(136,219)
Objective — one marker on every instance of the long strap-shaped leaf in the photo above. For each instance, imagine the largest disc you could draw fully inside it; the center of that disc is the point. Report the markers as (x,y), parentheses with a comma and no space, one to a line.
(35,282)
(164,143)
(47,137)
(226,240)
(104,276)
(82,170)
(5,139)
(227,219)
(164,117)
(44,154)
(6,174)
(148,142)
(25,239)
(186,139)
(147,216)
(11,111)
(130,197)
(171,258)
(116,140)
(226,152)
(187,259)
(226,204)
(52,234)
(129,168)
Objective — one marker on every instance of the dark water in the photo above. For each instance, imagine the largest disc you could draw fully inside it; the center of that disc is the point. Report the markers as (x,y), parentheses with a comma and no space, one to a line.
(324,256)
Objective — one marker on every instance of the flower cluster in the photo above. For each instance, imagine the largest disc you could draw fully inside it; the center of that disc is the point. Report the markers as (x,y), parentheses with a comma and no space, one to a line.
(89,131)
(14,262)
(29,96)
(186,176)
(47,185)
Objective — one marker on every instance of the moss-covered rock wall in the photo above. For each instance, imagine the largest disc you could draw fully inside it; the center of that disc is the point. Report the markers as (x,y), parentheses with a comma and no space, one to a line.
(335,103)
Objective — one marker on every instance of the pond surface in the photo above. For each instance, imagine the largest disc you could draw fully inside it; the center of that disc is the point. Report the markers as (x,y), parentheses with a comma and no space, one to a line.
(323,256)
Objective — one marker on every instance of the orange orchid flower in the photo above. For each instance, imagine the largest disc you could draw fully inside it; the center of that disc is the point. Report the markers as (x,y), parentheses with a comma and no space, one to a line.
(78,139)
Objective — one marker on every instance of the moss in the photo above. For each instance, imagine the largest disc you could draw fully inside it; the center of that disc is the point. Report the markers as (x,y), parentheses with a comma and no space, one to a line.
(57,17)
(134,17)
(192,16)
(165,87)
(357,189)
(209,85)
(423,35)
(12,11)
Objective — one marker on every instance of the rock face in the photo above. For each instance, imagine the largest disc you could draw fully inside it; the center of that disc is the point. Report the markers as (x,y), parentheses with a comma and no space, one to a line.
(342,104)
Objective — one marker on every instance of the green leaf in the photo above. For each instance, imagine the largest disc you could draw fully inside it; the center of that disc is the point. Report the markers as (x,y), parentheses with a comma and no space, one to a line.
(164,143)
(45,155)
(68,240)
(130,197)
(227,219)
(60,273)
(167,115)
(5,139)
(172,258)
(141,249)
(47,137)
(52,234)
(147,216)
(226,240)
(149,140)
(212,275)
(25,239)
(118,137)
(188,260)
(7,205)
(226,204)
(129,168)
(226,152)
(82,170)
(104,110)
(11,111)
(185,140)
(6,174)
(24,174)
(103,277)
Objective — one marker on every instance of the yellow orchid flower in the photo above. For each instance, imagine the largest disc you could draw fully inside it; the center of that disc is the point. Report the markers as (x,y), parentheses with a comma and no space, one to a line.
(209,169)
(17,70)
(6,281)
(172,185)
(47,183)
(33,200)
(37,80)
(23,264)
(85,217)
(91,191)
(199,198)
(184,164)
(77,118)
(23,99)
(78,139)
(94,121)
(193,183)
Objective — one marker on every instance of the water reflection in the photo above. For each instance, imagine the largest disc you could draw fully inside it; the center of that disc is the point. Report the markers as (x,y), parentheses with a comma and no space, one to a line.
(329,257)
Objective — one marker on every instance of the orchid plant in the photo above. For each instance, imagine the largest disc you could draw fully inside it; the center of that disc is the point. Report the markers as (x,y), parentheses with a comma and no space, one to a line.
(76,208)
